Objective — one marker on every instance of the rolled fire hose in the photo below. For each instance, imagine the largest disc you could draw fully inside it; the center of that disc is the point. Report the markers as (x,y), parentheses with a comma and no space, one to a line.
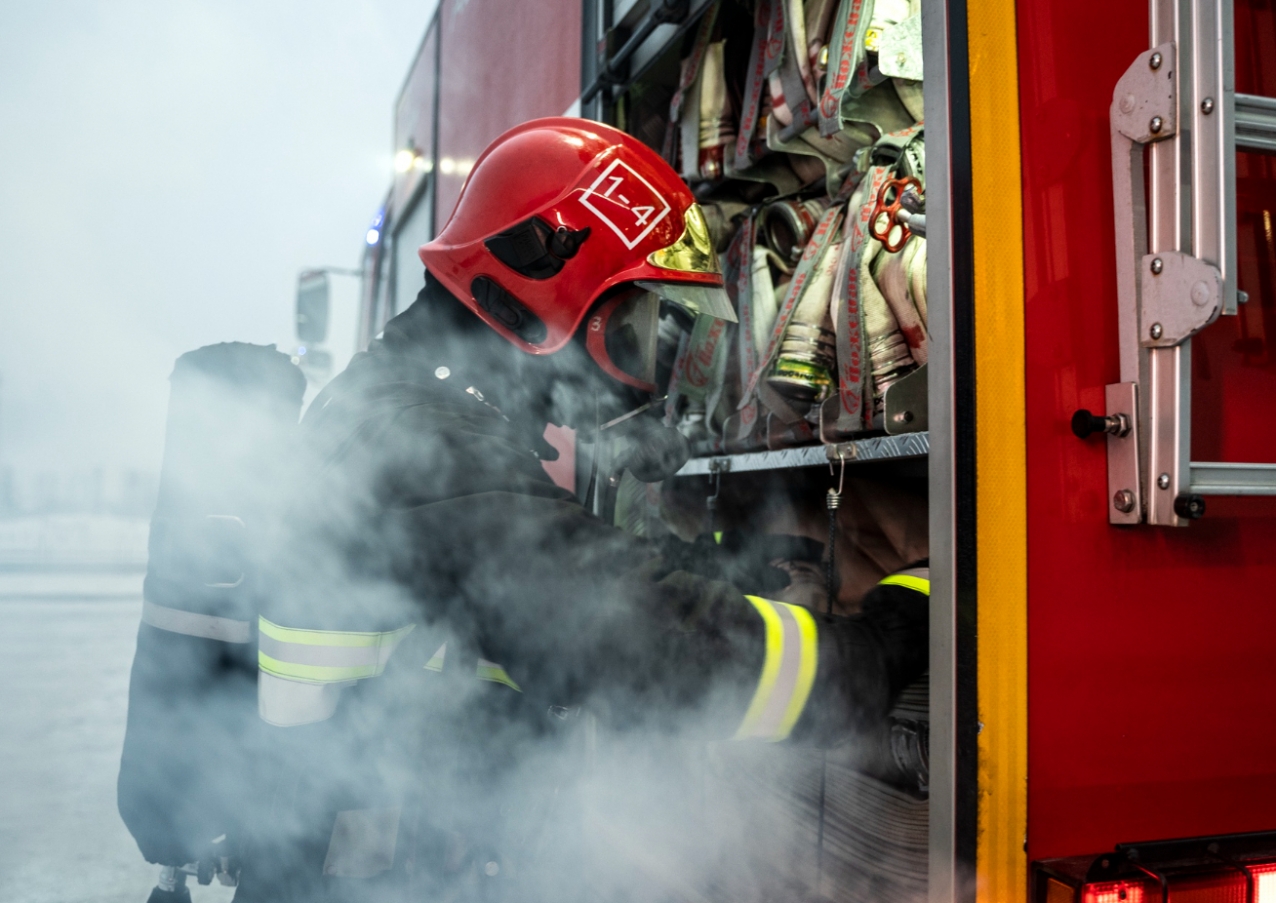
(888,351)
(890,273)
(717,122)
(807,360)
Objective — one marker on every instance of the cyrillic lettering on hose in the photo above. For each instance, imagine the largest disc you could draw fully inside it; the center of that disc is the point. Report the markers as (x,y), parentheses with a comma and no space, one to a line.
(324,656)
(788,671)
(189,623)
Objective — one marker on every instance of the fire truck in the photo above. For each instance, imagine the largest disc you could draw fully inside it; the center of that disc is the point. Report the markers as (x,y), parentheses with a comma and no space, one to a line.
(1005,278)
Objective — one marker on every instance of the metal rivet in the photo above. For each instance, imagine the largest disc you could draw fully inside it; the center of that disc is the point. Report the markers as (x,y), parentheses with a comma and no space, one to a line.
(442,373)
(1242,297)
(1155,60)
(1127,103)
(1156,331)
(1157,266)
(1163,481)
(1207,106)
(1123,501)
(1200,293)
(1155,125)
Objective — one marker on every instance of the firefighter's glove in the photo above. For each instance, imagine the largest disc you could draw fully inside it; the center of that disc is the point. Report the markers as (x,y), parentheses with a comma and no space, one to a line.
(649,450)
(739,565)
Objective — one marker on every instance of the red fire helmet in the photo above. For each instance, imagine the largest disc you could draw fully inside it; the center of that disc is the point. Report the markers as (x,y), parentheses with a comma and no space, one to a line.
(555,214)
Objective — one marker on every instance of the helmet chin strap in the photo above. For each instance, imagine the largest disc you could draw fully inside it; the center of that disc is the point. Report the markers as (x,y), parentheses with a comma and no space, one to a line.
(616,421)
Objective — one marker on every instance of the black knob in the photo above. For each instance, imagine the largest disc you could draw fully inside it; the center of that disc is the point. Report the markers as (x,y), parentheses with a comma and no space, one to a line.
(1190,507)
(1084,424)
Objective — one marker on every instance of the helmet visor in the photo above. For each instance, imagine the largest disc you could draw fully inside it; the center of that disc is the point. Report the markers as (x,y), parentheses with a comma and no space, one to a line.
(623,335)
(710,300)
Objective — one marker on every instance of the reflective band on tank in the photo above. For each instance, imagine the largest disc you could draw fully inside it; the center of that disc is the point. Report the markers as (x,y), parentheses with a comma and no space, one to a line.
(493,672)
(324,656)
(436,660)
(787,673)
(908,581)
(189,623)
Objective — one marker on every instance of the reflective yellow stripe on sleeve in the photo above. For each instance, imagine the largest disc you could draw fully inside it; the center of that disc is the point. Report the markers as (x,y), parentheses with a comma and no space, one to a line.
(909,581)
(788,671)
(324,656)
(491,671)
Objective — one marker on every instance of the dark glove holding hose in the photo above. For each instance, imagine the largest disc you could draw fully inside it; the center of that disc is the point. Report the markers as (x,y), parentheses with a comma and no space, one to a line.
(743,561)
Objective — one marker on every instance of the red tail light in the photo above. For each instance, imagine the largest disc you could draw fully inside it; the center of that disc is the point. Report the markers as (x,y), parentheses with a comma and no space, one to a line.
(1239,868)
(1264,883)
(1113,892)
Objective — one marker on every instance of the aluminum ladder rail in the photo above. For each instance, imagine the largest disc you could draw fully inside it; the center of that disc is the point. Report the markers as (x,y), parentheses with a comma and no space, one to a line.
(1176,255)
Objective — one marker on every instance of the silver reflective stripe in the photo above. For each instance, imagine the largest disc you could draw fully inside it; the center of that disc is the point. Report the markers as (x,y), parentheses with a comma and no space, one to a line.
(362,843)
(436,660)
(189,623)
(289,703)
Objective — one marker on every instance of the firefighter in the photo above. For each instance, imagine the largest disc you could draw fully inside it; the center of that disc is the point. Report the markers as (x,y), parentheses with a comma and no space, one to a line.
(439,605)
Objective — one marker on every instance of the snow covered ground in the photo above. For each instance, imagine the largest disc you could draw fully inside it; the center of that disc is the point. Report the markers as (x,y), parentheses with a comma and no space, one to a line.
(66,645)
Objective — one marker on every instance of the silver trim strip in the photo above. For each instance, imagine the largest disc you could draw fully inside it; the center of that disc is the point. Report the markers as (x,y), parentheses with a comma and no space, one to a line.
(874,448)
(942,873)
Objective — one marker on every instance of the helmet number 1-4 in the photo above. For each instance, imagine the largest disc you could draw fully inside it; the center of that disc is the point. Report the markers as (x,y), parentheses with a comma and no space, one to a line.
(626,202)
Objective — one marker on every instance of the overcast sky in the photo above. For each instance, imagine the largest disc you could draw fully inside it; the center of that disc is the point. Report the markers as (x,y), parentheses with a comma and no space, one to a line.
(166,168)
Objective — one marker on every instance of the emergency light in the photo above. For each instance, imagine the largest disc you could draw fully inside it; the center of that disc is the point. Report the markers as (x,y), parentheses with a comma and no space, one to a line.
(1234,868)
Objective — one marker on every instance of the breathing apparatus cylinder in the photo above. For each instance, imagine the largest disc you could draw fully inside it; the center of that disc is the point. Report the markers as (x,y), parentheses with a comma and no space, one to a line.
(186,769)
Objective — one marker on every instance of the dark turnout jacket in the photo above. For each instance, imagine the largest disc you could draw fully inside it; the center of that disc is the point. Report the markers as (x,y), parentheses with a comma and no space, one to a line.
(442,615)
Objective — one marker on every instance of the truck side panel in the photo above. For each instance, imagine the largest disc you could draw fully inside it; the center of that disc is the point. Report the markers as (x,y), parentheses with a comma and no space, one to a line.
(1151,674)
(502,64)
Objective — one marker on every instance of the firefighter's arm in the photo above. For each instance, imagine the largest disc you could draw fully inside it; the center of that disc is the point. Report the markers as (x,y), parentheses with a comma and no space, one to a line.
(771,671)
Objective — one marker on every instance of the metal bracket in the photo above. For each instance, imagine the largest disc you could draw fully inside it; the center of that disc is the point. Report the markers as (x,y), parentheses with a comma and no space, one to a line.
(1125,498)
(906,410)
(1145,100)
(1179,296)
